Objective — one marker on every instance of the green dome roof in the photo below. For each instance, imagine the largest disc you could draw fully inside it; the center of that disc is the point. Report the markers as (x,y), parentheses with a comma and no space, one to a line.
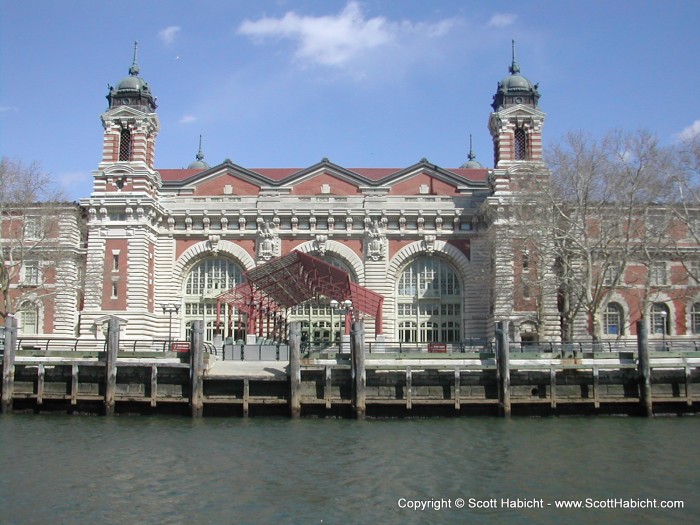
(515,84)
(132,83)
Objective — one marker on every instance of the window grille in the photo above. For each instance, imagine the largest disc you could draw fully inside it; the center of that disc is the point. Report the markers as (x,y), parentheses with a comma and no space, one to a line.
(520,145)
(125,145)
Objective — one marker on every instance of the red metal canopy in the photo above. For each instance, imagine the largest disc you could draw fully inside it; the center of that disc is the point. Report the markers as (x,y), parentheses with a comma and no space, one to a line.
(295,278)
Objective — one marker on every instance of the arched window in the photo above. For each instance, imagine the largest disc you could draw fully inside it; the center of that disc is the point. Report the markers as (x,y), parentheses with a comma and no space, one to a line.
(206,280)
(660,319)
(612,319)
(29,318)
(520,144)
(695,318)
(429,297)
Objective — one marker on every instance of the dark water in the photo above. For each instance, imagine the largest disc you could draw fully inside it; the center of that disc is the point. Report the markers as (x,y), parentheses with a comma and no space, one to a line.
(63,469)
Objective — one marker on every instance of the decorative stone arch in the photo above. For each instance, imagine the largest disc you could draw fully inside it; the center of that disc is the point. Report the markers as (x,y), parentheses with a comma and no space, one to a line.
(441,249)
(527,330)
(204,249)
(38,305)
(662,297)
(626,314)
(342,251)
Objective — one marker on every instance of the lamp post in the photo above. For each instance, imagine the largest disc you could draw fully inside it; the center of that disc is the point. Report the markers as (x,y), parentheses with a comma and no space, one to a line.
(344,307)
(170,309)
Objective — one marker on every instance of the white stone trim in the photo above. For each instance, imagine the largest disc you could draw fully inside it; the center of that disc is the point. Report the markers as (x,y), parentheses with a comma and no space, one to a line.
(203,249)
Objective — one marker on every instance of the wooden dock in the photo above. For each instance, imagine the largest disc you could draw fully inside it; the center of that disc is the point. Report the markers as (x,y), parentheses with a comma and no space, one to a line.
(379,385)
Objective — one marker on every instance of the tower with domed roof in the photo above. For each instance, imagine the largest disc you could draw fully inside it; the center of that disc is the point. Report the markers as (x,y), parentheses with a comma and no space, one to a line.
(121,210)
(130,128)
(522,289)
(516,122)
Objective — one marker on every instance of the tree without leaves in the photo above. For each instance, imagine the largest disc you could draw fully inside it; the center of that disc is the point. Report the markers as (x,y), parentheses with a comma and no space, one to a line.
(36,247)
(602,197)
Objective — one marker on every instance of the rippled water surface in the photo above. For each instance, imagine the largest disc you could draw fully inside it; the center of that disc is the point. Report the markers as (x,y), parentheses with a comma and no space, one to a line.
(63,469)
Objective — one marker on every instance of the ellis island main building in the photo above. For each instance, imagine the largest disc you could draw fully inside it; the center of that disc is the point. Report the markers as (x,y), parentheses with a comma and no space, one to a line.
(435,247)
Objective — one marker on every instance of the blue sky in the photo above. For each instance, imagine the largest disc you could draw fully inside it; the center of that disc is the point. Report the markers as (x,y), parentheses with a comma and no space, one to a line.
(372,83)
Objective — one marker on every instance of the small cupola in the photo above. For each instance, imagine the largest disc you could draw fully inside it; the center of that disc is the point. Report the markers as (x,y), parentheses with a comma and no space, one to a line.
(472,163)
(515,89)
(132,91)
(199,164)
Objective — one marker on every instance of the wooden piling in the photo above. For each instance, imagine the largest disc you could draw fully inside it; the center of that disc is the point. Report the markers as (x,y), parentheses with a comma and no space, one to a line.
(197,369)
(458,395)
(40,377)
(359,377)
(111,365)
(8,364)
(503,368)
(74,384)
(154,385)
(644,368)
(295,368)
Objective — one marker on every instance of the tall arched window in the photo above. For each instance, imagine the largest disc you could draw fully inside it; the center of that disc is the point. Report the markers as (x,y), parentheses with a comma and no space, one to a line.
(520,144)
(206,280)
(612,319)
(429,302)
(660,319)
(29,318)
(695,318)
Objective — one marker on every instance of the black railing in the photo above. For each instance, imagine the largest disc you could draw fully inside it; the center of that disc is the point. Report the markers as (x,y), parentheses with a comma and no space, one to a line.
(269,350)
(575,348)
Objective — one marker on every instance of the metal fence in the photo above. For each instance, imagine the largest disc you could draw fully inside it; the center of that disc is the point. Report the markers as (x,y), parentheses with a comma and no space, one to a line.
(575,347)
(267,350)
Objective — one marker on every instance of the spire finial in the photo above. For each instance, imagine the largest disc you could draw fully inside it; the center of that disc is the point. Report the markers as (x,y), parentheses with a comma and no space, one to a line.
(514,67)
(471,155)
(200,155)
(134,69)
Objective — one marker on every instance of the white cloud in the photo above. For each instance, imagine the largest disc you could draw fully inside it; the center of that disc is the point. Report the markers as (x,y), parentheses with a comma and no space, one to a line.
(186,119)
(8,109)
(333,40)
(502,20)
(167,35)
(690,132)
